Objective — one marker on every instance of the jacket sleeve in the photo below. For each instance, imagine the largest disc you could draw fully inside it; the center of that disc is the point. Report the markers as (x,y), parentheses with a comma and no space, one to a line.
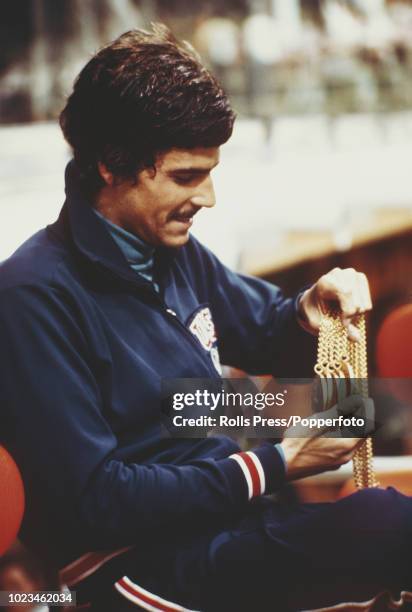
(66,446)
(257,327)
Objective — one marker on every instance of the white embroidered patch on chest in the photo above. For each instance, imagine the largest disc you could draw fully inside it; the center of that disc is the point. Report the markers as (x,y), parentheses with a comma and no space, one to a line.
(203,328)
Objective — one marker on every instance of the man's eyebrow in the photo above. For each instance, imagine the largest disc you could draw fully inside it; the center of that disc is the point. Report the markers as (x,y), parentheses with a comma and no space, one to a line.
(192,170)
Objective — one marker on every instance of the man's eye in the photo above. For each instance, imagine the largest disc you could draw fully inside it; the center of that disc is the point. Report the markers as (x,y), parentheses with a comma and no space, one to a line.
(184,179)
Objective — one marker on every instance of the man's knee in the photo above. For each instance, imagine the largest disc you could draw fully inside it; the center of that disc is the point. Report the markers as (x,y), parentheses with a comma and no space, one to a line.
(378,509)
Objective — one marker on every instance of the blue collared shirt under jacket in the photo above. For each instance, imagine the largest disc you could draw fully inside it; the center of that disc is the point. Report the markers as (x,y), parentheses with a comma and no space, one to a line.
(138,254)
(85,342)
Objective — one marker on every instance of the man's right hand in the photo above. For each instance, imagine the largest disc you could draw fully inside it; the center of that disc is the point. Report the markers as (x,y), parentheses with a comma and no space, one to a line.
(310,451)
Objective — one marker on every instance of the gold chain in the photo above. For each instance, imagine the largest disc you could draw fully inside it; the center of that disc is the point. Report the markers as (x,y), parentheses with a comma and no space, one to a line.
(343,369)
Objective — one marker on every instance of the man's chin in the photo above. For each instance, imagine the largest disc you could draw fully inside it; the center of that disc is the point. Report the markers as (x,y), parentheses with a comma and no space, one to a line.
(174,242)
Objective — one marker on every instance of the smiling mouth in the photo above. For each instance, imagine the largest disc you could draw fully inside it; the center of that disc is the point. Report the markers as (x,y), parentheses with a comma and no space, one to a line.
(183,217)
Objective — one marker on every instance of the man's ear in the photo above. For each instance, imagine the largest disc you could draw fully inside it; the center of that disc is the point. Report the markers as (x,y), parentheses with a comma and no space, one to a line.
(106,175)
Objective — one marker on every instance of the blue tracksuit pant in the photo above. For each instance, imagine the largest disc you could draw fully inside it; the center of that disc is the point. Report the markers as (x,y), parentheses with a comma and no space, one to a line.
(274,558)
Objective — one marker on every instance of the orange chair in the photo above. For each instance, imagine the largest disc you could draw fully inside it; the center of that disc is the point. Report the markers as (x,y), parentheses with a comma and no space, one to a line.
(394,352)
(11,500)
(394,344)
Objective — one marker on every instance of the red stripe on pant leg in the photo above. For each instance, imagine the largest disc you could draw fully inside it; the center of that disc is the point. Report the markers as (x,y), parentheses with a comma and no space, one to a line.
(72,575)
(86,565)
(253,474)
(145,598)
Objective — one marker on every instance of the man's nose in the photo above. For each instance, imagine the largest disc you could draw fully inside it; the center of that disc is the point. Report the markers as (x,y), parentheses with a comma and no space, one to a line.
(205,196)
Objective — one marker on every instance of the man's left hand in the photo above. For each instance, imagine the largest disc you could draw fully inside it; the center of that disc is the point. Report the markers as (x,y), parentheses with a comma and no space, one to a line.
(346,289)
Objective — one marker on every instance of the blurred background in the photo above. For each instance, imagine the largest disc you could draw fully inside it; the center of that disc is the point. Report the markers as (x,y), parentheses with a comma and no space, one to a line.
(317,172)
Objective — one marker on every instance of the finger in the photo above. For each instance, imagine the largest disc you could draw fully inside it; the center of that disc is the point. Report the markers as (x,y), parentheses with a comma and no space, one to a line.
(300,431)
(357,404)
(369,406)
(367,413)
(356,299)
(350,405)
(364,292)
(349,287)
(341,287)
(352,445)
(361,408)
(370,422)
(353,298)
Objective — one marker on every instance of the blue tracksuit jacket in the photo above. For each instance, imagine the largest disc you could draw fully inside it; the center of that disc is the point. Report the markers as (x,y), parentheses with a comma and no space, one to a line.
(84,344)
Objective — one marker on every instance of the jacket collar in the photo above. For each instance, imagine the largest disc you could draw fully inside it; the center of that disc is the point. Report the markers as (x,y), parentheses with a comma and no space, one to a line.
(90,235)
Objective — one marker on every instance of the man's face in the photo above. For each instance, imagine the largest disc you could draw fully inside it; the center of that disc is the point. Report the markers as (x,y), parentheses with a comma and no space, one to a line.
(160,207)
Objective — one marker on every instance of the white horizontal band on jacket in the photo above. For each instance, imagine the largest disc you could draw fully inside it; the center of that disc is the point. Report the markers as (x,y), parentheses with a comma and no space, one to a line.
(253,472)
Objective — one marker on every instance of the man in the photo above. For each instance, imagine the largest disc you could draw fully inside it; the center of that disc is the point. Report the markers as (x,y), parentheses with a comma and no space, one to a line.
(101,306)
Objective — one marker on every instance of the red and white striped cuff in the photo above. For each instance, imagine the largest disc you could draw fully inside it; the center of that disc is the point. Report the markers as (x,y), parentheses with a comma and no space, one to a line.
(144,599)
(253,472)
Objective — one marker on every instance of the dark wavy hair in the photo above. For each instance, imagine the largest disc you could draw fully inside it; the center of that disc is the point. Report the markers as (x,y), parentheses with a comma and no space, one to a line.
(140,95)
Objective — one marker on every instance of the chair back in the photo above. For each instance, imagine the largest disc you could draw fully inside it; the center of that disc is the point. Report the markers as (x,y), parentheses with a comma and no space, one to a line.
(394,353)
(394,344)
(11,500)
